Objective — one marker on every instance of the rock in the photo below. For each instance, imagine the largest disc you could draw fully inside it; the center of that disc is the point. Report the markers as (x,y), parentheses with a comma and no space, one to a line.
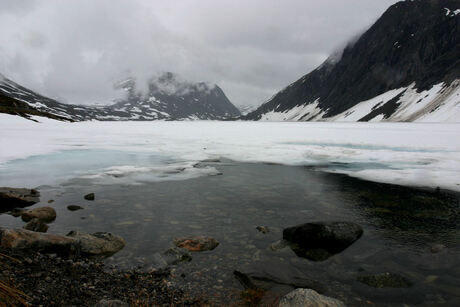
(97,244)
(44,214)
(16,212)
(74,208)
(271,274)
(279,245)
(111,303)
(263,229)
(245,280)
(21,239)
(308,298)
(75,243)
(90,196)
(12,198)
(36,225)
(320,240)
(385,280)
(176,255)
(196,244)
(172,256)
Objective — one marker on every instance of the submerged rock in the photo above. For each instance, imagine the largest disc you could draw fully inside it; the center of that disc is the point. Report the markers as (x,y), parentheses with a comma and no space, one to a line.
(279,245)
(74,208)
(308,298)
(197,244)
(97,244)
(13,197)
(44,214)
(263,229)
(385,280)
(36,225)
(320,240)
(172,256)
(90,196)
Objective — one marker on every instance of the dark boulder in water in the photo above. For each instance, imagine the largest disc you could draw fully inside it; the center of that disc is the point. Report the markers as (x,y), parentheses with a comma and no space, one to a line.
(90,196)
(11,198)
(319,240)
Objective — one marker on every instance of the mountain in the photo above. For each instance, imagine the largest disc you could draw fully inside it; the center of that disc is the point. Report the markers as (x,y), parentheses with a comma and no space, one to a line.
(167,98)
(406,67)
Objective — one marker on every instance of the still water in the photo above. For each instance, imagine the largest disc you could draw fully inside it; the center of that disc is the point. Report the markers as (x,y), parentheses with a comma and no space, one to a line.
(411,232)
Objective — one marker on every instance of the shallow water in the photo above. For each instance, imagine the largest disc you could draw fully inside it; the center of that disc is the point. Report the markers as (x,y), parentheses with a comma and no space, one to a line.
(401,225)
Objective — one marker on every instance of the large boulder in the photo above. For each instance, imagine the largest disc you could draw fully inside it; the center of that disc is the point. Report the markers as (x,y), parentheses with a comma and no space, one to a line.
(74,244)
(44,214)
(17,198)
(21,239)
(320,240)
(98,244)
(197,244)
(308,298)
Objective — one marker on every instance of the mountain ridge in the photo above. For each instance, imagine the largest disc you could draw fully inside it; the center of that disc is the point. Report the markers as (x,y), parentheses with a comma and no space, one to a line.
(203,101)
(413,42)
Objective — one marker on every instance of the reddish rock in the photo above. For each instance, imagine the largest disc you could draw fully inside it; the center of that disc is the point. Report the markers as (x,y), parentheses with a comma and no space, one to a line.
(197,244)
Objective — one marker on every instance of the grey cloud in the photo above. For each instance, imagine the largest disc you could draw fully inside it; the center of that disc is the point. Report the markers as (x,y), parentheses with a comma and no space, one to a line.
(77,50)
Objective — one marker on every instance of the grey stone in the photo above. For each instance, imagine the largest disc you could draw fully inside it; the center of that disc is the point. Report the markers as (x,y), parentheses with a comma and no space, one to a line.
(98,244)
(308,298)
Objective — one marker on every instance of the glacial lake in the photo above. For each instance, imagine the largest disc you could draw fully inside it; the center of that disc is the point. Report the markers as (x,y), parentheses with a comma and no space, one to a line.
(407,231)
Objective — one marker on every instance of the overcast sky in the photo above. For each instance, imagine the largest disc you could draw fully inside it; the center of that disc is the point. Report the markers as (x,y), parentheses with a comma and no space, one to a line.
(75,50)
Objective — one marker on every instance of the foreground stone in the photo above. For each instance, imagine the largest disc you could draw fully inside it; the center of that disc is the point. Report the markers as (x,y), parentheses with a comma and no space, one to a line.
(98,244)
(44,214)
(385,280)
(36,225)
(74,244)
(308,298)
(21,239)
(13,198)
(197,244)
(320,240)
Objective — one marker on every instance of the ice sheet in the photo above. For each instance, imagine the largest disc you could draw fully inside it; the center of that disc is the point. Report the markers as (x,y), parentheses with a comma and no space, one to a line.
(420,154)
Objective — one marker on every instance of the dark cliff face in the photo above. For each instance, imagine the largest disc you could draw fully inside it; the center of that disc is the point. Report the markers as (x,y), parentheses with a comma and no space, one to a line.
(414,41)
(167,99)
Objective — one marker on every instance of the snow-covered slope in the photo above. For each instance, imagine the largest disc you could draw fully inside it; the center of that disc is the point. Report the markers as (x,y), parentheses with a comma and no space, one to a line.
(406,67)
(167,98)
(441,103)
